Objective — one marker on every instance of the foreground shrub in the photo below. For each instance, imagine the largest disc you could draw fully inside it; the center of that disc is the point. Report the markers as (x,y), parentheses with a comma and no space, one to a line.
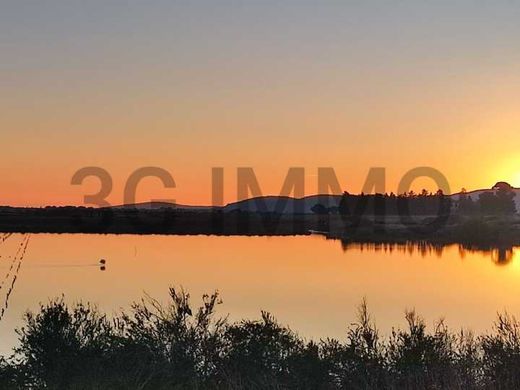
(60,347)
(358,363)
(501,354)
(174,346)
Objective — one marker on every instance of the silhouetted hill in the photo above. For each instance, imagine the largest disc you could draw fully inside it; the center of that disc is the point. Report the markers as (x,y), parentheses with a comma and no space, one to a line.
(284,204)
(289,205)
(163,205)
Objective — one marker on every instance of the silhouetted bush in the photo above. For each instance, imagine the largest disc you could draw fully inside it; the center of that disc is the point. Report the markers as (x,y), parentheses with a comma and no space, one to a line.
(61,347)
(173,346)
(499,203)
(501,354)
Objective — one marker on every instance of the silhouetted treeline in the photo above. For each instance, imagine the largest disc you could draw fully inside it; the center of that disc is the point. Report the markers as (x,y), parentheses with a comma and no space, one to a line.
(410,203)
(500,202)
(169,346)
(362,217)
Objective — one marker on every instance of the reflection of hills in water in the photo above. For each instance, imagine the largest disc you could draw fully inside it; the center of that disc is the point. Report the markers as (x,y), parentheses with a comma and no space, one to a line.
(499,255)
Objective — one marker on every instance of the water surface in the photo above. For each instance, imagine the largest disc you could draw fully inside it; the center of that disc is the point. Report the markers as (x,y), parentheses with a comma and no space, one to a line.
(309,283)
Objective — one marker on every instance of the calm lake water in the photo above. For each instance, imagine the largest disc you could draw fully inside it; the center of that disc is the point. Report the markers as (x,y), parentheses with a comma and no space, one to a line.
(309,283)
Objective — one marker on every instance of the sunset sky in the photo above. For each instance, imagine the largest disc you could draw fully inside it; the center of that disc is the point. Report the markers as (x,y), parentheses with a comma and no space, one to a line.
(264,84)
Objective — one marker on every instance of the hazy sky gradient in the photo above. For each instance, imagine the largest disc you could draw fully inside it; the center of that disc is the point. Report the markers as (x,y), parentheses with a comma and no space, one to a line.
(268,85)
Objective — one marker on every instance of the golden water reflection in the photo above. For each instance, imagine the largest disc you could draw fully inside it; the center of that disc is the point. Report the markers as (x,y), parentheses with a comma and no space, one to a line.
(499,255)
(308,282)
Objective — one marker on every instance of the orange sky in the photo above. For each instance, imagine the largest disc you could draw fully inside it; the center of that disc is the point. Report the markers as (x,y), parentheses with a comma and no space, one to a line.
(188,88)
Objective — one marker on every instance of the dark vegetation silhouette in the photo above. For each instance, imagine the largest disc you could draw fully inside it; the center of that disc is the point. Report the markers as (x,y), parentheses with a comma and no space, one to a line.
(174,345)
(499,201)
(412,216)
(424,203)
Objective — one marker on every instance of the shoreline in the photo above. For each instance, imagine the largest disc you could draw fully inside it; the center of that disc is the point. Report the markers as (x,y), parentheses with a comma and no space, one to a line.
(477,231)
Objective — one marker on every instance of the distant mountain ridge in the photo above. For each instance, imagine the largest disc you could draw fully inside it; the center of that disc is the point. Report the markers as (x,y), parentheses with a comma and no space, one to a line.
(161,205)
(287,204)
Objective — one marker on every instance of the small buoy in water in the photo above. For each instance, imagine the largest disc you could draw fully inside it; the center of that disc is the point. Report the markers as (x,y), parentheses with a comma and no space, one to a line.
(102,261)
